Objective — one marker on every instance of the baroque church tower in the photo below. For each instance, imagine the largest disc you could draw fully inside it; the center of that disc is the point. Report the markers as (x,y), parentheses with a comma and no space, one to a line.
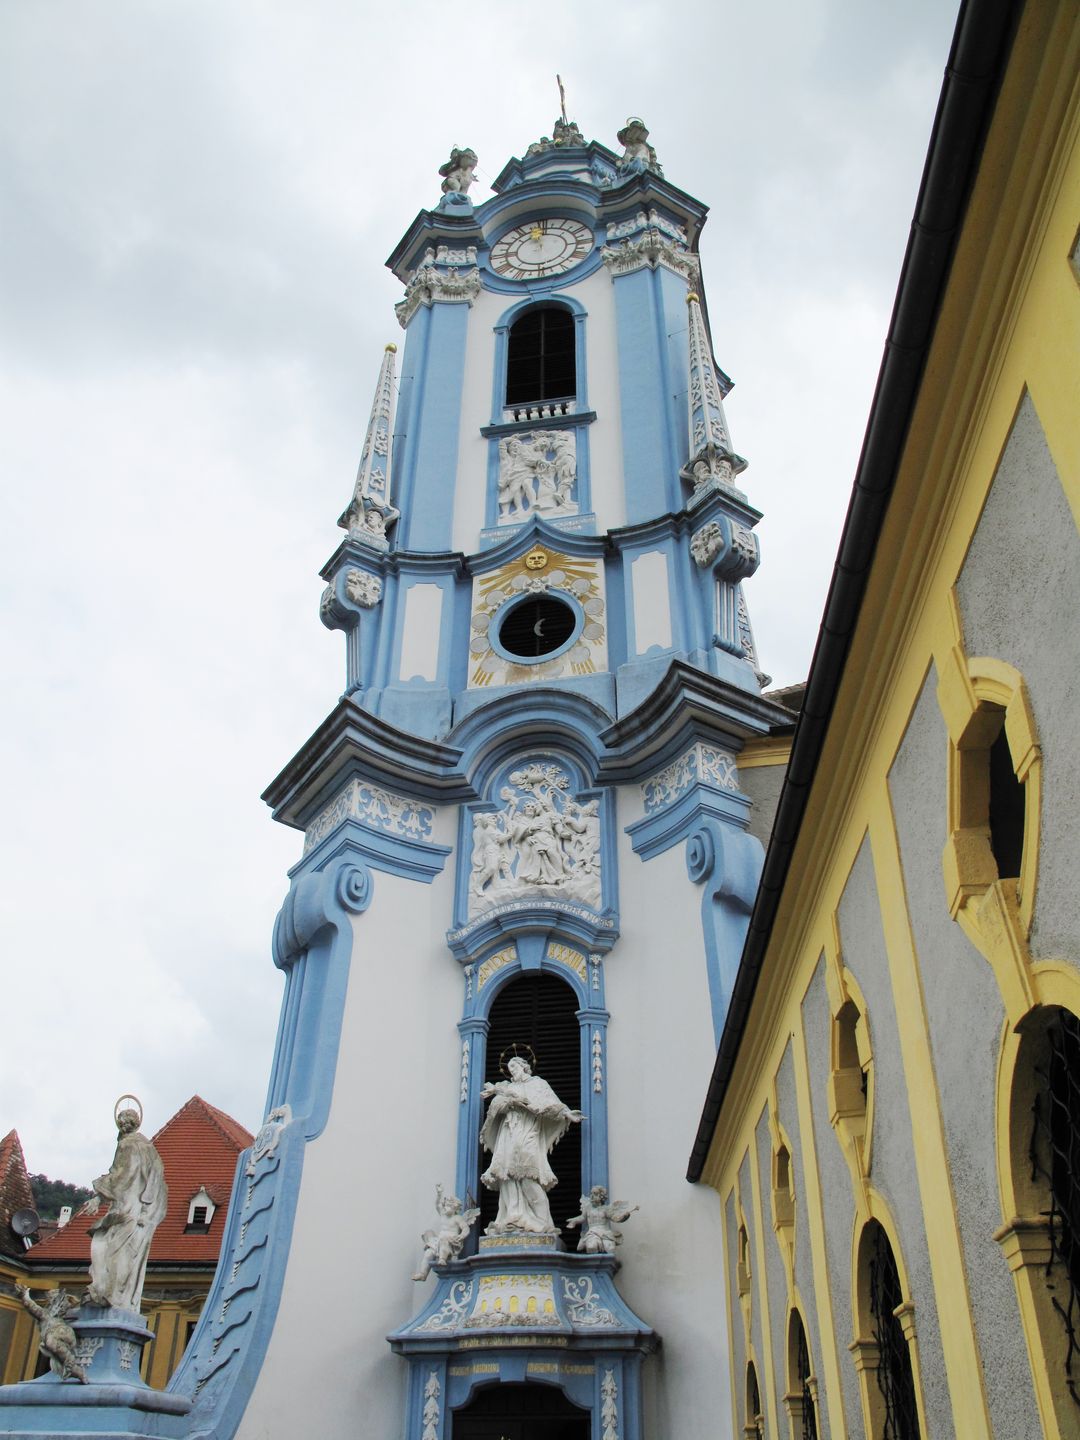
(526,866)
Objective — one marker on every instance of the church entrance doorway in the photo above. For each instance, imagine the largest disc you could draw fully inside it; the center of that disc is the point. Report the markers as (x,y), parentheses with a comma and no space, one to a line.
(521,1412)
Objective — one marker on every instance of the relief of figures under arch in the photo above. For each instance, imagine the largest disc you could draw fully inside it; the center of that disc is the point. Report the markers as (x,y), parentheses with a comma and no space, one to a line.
(543,842)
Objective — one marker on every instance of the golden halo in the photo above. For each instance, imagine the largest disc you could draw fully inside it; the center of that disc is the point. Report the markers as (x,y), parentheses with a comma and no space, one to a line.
(513,1050)
(120,1105)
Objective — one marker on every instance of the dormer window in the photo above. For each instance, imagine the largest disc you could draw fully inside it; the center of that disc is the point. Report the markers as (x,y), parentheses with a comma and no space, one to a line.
(200,1213)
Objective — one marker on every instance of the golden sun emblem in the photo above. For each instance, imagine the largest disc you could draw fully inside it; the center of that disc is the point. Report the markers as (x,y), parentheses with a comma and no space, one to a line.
(536,560)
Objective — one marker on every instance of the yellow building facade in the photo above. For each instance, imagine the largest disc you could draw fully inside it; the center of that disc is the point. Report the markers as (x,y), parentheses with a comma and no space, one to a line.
(890,1120)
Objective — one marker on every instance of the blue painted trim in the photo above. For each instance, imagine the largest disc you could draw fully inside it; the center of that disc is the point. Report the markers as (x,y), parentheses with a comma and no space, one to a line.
(313,940)
(658,832)
(555,422)
(392,854)
(728,863)
(535,531)
(429,415)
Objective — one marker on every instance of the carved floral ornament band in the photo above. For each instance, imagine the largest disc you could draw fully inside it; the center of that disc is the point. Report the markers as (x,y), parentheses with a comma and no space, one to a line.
(374,807)
(701,764)
(429,285)
(651,248)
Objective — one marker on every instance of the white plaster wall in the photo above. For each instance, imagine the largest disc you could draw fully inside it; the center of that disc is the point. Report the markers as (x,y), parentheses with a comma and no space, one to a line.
(660,1057)
(652,601)
(597,294)
(368,1184)
(368,1181)
(420,632)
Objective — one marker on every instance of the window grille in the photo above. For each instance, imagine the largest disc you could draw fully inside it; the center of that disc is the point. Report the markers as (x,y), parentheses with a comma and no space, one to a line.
(540,362)
(1055,1158)
(802,1365)
(894,1375)
(540,1011)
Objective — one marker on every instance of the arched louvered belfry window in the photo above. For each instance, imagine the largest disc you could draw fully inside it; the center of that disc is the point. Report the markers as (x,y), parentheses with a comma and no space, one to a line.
(540,360)
(539,1011)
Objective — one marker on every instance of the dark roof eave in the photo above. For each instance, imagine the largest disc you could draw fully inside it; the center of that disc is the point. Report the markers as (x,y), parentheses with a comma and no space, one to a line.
(977,60)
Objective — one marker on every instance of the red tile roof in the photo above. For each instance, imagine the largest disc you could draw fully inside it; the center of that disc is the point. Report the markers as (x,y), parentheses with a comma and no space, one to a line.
(198,1148)
(15,1192)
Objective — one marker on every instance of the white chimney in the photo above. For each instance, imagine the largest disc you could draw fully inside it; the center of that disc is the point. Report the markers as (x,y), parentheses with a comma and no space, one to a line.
(64,1216)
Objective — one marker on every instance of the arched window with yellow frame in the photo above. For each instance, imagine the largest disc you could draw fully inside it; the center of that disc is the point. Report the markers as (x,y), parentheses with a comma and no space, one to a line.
(1041,1185)
(885,1350)
(991,856)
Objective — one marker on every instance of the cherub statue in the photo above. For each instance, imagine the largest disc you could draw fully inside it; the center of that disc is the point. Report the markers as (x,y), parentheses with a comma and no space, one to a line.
(444,1244)
(598,1219)
(56,1339)
(457,173)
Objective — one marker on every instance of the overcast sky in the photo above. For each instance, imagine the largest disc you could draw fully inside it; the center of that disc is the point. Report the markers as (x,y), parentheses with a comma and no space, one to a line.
(196,200)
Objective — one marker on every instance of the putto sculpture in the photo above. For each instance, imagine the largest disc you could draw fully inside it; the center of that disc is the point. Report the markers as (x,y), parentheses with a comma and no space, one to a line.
(457,174)
(137,1197)
(445,1243)
(56,1338)
(598,1219)
(525,1121)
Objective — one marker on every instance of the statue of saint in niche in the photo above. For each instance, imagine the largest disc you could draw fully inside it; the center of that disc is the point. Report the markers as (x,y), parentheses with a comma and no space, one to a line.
(525,1121)
(137,1196)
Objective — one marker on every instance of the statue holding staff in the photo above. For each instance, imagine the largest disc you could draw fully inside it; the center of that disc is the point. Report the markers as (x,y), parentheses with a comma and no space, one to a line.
(525,1121)
(137,1196)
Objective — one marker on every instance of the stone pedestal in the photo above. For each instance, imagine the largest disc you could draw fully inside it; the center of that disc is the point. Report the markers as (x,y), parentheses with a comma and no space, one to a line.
(114,1402)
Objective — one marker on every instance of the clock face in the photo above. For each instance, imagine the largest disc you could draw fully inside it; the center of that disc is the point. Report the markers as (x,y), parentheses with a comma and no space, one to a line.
(544,247)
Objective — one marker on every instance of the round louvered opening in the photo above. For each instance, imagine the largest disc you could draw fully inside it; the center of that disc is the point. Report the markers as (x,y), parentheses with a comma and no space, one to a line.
(537,626)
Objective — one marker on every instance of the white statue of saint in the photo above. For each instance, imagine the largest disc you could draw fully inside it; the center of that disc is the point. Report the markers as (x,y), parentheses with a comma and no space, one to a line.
(137,1197)
(525,1121)
(445,1244)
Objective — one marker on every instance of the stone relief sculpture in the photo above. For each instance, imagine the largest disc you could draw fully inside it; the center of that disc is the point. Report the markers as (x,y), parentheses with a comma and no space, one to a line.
(598,1219)
(363,588)
(537,471)
(56,1338)
(543,842)
(638,155)
(525,1121)
(445,1244)
(137,1196)
(458,173)
(707,543)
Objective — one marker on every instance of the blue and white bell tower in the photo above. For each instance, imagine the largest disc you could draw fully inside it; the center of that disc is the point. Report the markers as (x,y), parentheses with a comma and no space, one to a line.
(524,834)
